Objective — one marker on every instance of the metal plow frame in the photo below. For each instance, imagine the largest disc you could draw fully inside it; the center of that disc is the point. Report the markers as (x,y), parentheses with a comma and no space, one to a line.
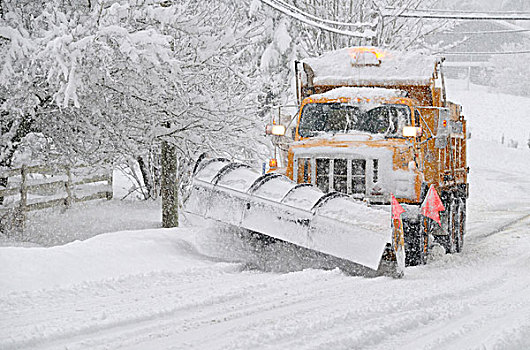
(353,248)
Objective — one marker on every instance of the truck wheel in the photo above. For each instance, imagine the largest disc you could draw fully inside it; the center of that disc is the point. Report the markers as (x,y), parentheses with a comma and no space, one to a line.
(415,248)
(423,240)
(449,221)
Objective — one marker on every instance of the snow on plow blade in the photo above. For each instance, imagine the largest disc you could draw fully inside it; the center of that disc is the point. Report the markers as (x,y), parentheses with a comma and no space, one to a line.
(301,214)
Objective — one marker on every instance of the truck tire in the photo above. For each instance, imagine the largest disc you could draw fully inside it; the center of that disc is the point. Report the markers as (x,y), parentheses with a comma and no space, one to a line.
(460,224)
(449,223)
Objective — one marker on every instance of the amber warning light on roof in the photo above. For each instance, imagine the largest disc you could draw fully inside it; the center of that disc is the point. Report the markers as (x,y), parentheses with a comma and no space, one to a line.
(366,56)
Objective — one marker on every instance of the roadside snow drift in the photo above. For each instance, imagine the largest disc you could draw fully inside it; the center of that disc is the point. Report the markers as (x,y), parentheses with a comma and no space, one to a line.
(106,256)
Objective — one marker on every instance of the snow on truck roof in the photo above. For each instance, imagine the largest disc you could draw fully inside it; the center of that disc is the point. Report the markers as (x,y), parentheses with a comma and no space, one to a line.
(339,67)
(360,92)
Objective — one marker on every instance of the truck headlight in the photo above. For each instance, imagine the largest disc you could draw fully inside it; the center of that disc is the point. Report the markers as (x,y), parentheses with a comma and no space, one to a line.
(278,130)
(275,129)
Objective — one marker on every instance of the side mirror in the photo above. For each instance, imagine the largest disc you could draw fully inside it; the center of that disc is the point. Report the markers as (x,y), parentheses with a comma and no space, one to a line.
(412,131)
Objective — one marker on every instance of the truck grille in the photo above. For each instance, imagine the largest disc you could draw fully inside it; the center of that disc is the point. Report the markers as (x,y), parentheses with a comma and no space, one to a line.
(341,176)
(358,176)
(323,174)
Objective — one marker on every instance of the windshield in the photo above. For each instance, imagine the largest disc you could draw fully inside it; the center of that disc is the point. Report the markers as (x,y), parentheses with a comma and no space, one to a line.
(388,120)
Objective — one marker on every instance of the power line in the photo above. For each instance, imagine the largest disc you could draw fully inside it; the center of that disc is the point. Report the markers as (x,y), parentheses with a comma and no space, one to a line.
(367,34)
(293,8)
(470,16)
(466,12)
(485,53)
(507,31)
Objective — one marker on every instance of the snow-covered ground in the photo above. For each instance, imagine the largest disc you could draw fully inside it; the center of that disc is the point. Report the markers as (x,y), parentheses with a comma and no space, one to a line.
(199,288)
(492,114)
(87,219)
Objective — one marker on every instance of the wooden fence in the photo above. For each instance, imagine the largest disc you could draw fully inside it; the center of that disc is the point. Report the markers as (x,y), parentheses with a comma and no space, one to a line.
(38,187)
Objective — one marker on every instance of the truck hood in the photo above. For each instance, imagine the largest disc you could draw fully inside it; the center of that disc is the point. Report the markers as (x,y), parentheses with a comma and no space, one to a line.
(347,143)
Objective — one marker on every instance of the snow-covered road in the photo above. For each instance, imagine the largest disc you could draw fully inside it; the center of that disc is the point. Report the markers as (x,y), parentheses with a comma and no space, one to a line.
(192,288)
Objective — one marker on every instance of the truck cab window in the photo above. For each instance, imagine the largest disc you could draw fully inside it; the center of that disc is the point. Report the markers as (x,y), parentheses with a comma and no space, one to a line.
(342,118)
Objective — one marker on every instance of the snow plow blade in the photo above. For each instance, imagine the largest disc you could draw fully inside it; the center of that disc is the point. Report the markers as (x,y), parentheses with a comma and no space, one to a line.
(301,214)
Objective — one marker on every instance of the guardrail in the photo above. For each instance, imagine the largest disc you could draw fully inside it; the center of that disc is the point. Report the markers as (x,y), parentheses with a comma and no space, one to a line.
(38,187)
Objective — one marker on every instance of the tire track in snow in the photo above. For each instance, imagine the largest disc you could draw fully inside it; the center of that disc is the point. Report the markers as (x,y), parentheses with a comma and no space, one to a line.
(501,228)
(123,301)
(128,300)
(242,319)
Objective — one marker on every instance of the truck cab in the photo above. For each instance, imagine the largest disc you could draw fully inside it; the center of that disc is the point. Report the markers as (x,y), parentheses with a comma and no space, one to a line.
(358,141)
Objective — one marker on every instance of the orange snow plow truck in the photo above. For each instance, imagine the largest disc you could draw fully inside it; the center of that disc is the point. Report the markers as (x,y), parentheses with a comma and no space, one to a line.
(370,124)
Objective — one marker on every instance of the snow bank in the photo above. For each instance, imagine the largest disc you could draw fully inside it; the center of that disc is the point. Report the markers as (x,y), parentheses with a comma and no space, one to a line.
(105,256)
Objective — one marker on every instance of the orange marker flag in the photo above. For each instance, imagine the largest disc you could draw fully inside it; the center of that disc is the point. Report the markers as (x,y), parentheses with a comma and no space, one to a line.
(432,205)
(397,209)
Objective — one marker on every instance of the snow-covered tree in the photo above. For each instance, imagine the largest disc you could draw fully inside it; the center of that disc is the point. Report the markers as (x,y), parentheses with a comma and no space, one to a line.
(117,77)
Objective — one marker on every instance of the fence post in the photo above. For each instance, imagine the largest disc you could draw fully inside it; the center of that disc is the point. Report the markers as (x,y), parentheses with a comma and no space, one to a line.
(109,183)
(68,187)
(3,183)
(20,213)
(169,186)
